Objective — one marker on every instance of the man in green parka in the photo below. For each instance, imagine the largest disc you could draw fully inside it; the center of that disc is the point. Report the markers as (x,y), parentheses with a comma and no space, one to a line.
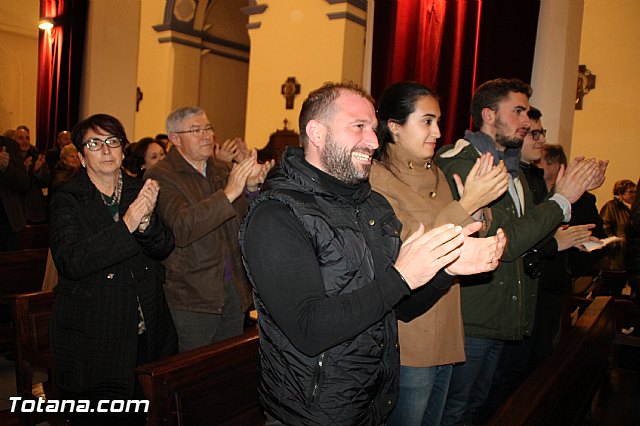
(500,306)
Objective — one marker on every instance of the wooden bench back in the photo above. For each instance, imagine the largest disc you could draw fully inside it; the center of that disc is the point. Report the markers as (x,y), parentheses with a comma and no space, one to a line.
(212,385)
(561,389)
(34,236)
(22,271)
(31,315)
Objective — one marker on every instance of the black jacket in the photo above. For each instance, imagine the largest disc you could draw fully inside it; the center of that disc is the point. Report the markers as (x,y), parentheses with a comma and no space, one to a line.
(103,271)
(615,215)
(319,253)
(632,251)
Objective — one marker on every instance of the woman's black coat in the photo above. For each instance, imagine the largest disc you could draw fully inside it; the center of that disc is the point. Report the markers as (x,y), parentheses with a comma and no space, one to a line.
(104,271)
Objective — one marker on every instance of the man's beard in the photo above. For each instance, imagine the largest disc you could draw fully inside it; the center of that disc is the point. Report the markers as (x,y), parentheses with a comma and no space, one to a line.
(504,141)
(338,163)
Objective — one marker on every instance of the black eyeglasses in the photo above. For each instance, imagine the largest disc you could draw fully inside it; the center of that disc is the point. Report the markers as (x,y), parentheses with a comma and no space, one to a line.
(535,134)
(198,132)
(95,144)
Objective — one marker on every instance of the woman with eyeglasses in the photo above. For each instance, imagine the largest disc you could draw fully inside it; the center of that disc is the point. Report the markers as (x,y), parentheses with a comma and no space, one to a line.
(110,314)
(431,337)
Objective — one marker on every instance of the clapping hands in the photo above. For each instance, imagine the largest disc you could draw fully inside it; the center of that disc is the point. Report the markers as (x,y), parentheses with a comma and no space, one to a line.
(138,215)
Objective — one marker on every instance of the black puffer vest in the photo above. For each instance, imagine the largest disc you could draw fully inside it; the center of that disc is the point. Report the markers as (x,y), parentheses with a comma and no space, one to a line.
(355,382)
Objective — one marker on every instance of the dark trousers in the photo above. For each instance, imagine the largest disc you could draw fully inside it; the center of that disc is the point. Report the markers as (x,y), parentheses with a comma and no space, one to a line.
(112,419)
(9,239)
(513,368)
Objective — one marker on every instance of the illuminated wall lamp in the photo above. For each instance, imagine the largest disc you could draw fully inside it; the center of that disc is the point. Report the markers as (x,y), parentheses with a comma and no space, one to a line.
(45,24)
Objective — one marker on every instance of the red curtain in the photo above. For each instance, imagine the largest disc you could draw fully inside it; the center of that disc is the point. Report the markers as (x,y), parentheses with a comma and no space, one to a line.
(60,52)
(434,42)
(452,46)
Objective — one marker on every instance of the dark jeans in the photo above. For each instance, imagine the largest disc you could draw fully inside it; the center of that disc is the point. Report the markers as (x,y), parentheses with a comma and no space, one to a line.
(471,380)
(423,392)
(512,369)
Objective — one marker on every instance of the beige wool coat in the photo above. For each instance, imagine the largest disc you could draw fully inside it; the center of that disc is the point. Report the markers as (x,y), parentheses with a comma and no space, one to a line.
(437,336)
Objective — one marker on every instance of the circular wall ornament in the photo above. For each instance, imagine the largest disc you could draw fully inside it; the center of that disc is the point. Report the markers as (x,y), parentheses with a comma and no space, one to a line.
(184,10)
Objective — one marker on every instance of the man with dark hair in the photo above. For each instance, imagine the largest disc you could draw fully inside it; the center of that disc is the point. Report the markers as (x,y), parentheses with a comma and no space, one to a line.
(324,256)
(549,259)
(500,306)
(532,153)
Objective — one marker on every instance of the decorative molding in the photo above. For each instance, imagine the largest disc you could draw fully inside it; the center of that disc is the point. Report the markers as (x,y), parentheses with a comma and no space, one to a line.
(168,12)
(226,43)
(182,41)
(348,16)
(203,35)
(229,55)
(360,4)
(200,46)
(177,27)
(255,9)
(254,25)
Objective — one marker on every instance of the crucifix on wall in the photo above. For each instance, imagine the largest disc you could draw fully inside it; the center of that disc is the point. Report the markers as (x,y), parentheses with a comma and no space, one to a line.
(289,90)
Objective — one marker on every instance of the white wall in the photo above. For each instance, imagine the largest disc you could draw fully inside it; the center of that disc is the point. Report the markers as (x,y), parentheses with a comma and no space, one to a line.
(607,127)
(18,63)
(111,60)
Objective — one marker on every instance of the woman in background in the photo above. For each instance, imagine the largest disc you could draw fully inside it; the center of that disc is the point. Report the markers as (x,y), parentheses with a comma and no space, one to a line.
(110,314)
(404,172)
(632,254)
(144,154)
(66,167)
(615,214)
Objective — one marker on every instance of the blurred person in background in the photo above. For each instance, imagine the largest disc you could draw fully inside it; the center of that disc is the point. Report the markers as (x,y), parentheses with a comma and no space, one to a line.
(143,155)
(615,215)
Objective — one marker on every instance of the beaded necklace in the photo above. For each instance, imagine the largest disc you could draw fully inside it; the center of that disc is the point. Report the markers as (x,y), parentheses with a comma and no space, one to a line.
(113,201)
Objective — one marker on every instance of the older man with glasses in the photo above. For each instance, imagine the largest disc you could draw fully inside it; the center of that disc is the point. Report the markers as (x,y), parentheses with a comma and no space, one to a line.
(204,201)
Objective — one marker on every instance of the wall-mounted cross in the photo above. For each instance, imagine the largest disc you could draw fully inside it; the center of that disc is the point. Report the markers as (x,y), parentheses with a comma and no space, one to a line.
(289,90)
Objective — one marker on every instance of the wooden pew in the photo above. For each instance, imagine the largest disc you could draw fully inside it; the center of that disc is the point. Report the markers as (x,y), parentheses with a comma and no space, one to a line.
(278,143)
(34,236)
(22,271)
(560,390)
(212,385)
(31,316)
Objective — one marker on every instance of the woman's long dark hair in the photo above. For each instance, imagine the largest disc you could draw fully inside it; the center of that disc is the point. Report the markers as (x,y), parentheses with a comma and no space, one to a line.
(395,104)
